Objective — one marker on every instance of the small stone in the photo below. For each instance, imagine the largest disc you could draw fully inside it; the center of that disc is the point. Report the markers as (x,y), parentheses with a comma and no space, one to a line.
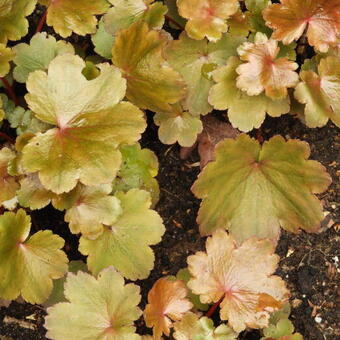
(318,319)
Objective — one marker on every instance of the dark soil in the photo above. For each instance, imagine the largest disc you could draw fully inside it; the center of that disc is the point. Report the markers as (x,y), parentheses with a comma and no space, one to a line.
(309,262)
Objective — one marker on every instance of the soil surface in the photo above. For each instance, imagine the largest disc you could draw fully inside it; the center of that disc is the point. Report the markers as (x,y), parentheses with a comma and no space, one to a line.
(309,262)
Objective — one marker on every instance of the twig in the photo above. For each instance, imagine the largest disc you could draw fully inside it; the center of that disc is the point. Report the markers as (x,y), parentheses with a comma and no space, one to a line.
(213,308)
(10,91)
(174,22)
(41,22)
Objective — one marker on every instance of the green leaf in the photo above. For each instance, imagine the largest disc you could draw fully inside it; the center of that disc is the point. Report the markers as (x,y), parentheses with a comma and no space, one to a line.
(8,184)
(37,55)
(252,190)
(126,244)
(244,112)
(184,275)
(191,327)
(28,265)
(67,16)
(178,126)
(321,93)
(98,309)
(13,23)
(103,41)
(138,171)
(89,209)
(189,57)
(91,122)
(151,83)
(6,55)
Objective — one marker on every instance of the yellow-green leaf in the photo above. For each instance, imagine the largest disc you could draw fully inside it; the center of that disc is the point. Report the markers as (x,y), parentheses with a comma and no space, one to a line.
(6,55)
(252,190)
(28,264)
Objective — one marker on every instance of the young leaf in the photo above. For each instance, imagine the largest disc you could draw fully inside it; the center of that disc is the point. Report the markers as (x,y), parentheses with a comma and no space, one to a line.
(178,126)
(13,23)
(151,83)
(207,18)
(126,12)
(283,330)
(126,244)
(138,171)
(32,194)
(290,18)
(28,265)
(252,190)
(67,16)
(191,327)
(244,112)
(239,276)
(321,93)
(98,309)
(263,71)
(89,209)
(91,122)
(189,57)
(8,184)
(37,55)
(167,302)
(6,55)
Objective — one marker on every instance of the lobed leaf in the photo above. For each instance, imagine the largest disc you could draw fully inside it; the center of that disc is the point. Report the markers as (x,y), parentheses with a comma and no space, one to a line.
(279,175)
(189,57)
(67,16)
(263,71)
(6,55)
(98,309)
(13,22)
(91,122)
(321,93)
(37,55)
(244,112)
(290,19)
(191,327)
(126,243)
(28,265)
(167,302)
(103,41)
(151,83)
(207,18)
(240,276)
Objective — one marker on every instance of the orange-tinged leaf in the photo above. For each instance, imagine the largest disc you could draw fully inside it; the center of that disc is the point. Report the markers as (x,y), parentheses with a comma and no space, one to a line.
(242,276)
(263,71)
(167,302)
(207,18)
(252,190)
(290,18)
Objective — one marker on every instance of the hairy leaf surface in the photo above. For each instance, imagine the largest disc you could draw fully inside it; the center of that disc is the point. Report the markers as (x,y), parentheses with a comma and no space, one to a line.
(91,122)
(98,309)
(241,276)
(28,264)
(167,302)
(252,190)
(126,243)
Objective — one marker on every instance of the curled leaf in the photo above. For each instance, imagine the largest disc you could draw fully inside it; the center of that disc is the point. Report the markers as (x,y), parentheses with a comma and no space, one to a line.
(244,112)
(102,308)
(151,83)
(241,276)
(321,93)
(263,71)
(290,18)
(167,302)
(90,123)
(67,16)
(280,177)
(28,264)
(126,243)
(207,18)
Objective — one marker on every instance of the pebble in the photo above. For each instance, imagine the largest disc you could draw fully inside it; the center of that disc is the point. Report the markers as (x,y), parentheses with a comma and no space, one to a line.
(318,319)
